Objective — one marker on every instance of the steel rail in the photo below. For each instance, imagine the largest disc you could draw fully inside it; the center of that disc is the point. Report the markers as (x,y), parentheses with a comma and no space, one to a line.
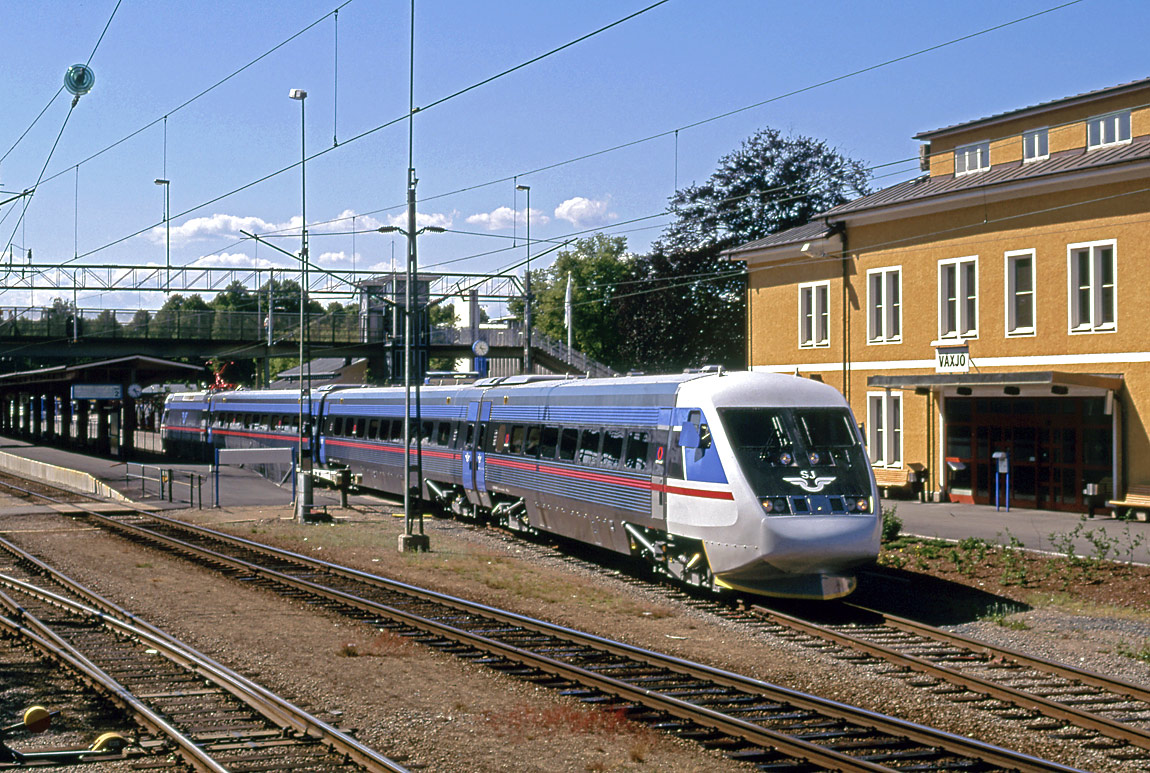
(1093,678)
(756,734)
(274,708)
(1110,728)
(56,648)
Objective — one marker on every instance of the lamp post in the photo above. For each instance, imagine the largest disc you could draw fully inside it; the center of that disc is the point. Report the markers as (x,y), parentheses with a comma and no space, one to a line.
(527,288)
(410,540)
(304,500)
(167,231)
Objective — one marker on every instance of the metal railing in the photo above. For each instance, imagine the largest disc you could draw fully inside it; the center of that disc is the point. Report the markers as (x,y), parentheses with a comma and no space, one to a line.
(167,483)
(60,321)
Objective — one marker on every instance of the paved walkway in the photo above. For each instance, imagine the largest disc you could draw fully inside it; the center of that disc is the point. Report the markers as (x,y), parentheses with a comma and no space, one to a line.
(1036,529)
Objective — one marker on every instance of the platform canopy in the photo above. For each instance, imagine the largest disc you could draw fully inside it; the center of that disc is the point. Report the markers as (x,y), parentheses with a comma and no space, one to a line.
(1051,381)
(138,369)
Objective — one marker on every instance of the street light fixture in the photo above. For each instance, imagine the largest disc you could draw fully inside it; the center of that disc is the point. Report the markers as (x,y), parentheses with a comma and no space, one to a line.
(527,288)
(410,540)
(304,500)
(167,231)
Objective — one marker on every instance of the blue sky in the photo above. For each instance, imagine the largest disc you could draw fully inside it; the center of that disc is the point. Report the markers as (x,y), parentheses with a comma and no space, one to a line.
(682,62)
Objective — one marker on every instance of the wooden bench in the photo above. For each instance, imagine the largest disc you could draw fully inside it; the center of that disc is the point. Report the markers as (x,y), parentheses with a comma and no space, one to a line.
(889,478)
(1137,499)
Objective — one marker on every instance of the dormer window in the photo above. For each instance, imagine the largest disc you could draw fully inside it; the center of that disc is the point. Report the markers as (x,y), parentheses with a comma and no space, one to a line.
(971,158)
(1106,130)
(1035,145)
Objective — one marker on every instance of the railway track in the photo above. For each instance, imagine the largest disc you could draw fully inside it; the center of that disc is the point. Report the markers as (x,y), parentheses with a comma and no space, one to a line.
(1104,713)
(747,719)
(187,704)
(1043,694)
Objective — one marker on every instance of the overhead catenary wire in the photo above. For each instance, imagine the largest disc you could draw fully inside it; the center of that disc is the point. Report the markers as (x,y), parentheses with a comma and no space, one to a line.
(584,156)
(44,168)
(675,131)
(363,134)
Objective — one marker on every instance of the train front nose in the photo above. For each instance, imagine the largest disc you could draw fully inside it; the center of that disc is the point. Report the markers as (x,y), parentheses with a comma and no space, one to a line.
(803,544)
(809,556)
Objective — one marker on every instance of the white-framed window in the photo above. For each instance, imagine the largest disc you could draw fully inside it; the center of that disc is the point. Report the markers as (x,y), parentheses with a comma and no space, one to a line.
(1020,308)
(958,298)
(814,314)
(884,428)
(1035,145)
(1109,129)
(884,305)
(972,158)
(1092,276)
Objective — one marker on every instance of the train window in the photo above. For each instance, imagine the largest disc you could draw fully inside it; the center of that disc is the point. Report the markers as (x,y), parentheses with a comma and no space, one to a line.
(637,444)
(548,441)
(758,429)
(568,442)
(612,448)
(589,446)
(500,435)
(443,434)
(517,433)
(396,432)
(531,444)
(373,429)
(295,421)
(361,428)
(336,426)
(265,421)
(247,420)
(827,427)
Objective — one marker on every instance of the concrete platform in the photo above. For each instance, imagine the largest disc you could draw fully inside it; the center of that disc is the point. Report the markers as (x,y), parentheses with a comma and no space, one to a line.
(238,487)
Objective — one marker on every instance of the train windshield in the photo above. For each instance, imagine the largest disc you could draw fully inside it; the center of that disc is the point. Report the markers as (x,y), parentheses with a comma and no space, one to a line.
(772,444)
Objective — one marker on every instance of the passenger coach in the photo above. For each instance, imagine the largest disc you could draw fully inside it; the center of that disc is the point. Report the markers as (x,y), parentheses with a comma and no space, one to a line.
(757,482)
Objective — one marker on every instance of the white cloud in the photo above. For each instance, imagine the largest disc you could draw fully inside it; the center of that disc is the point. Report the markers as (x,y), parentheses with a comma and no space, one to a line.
(581,212)
(505,217)
(219,225)
(234,260)
(422,220)
(334,257)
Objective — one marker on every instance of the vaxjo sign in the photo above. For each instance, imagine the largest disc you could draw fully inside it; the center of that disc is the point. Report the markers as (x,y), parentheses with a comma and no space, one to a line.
(952,359)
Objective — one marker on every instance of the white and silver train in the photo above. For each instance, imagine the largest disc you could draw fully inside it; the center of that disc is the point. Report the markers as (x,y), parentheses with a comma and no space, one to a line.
(751,481)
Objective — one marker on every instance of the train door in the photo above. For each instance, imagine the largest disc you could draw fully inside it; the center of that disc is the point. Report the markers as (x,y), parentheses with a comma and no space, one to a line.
(474,482)
(658,463)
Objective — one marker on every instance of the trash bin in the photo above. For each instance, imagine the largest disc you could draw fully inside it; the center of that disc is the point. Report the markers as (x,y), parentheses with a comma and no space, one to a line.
(1092,498)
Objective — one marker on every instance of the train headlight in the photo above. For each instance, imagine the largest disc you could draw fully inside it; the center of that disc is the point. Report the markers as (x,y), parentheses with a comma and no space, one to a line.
(786,459)
(814,457)
(862,505)
(774,506)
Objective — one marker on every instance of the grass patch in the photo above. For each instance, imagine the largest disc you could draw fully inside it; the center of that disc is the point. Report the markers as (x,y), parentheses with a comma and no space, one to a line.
(1139,652)
(1002,615)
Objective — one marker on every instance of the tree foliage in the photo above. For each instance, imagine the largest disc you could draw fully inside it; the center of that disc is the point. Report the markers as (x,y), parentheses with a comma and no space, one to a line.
(694,312)
(600,269)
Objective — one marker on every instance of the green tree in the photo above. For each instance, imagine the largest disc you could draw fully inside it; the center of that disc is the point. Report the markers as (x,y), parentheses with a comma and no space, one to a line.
(694,309)
(182,317)
(600,269)
(140,326)
(236,313)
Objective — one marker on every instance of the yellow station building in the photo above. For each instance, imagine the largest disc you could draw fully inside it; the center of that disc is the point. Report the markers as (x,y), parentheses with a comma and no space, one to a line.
(997,305)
